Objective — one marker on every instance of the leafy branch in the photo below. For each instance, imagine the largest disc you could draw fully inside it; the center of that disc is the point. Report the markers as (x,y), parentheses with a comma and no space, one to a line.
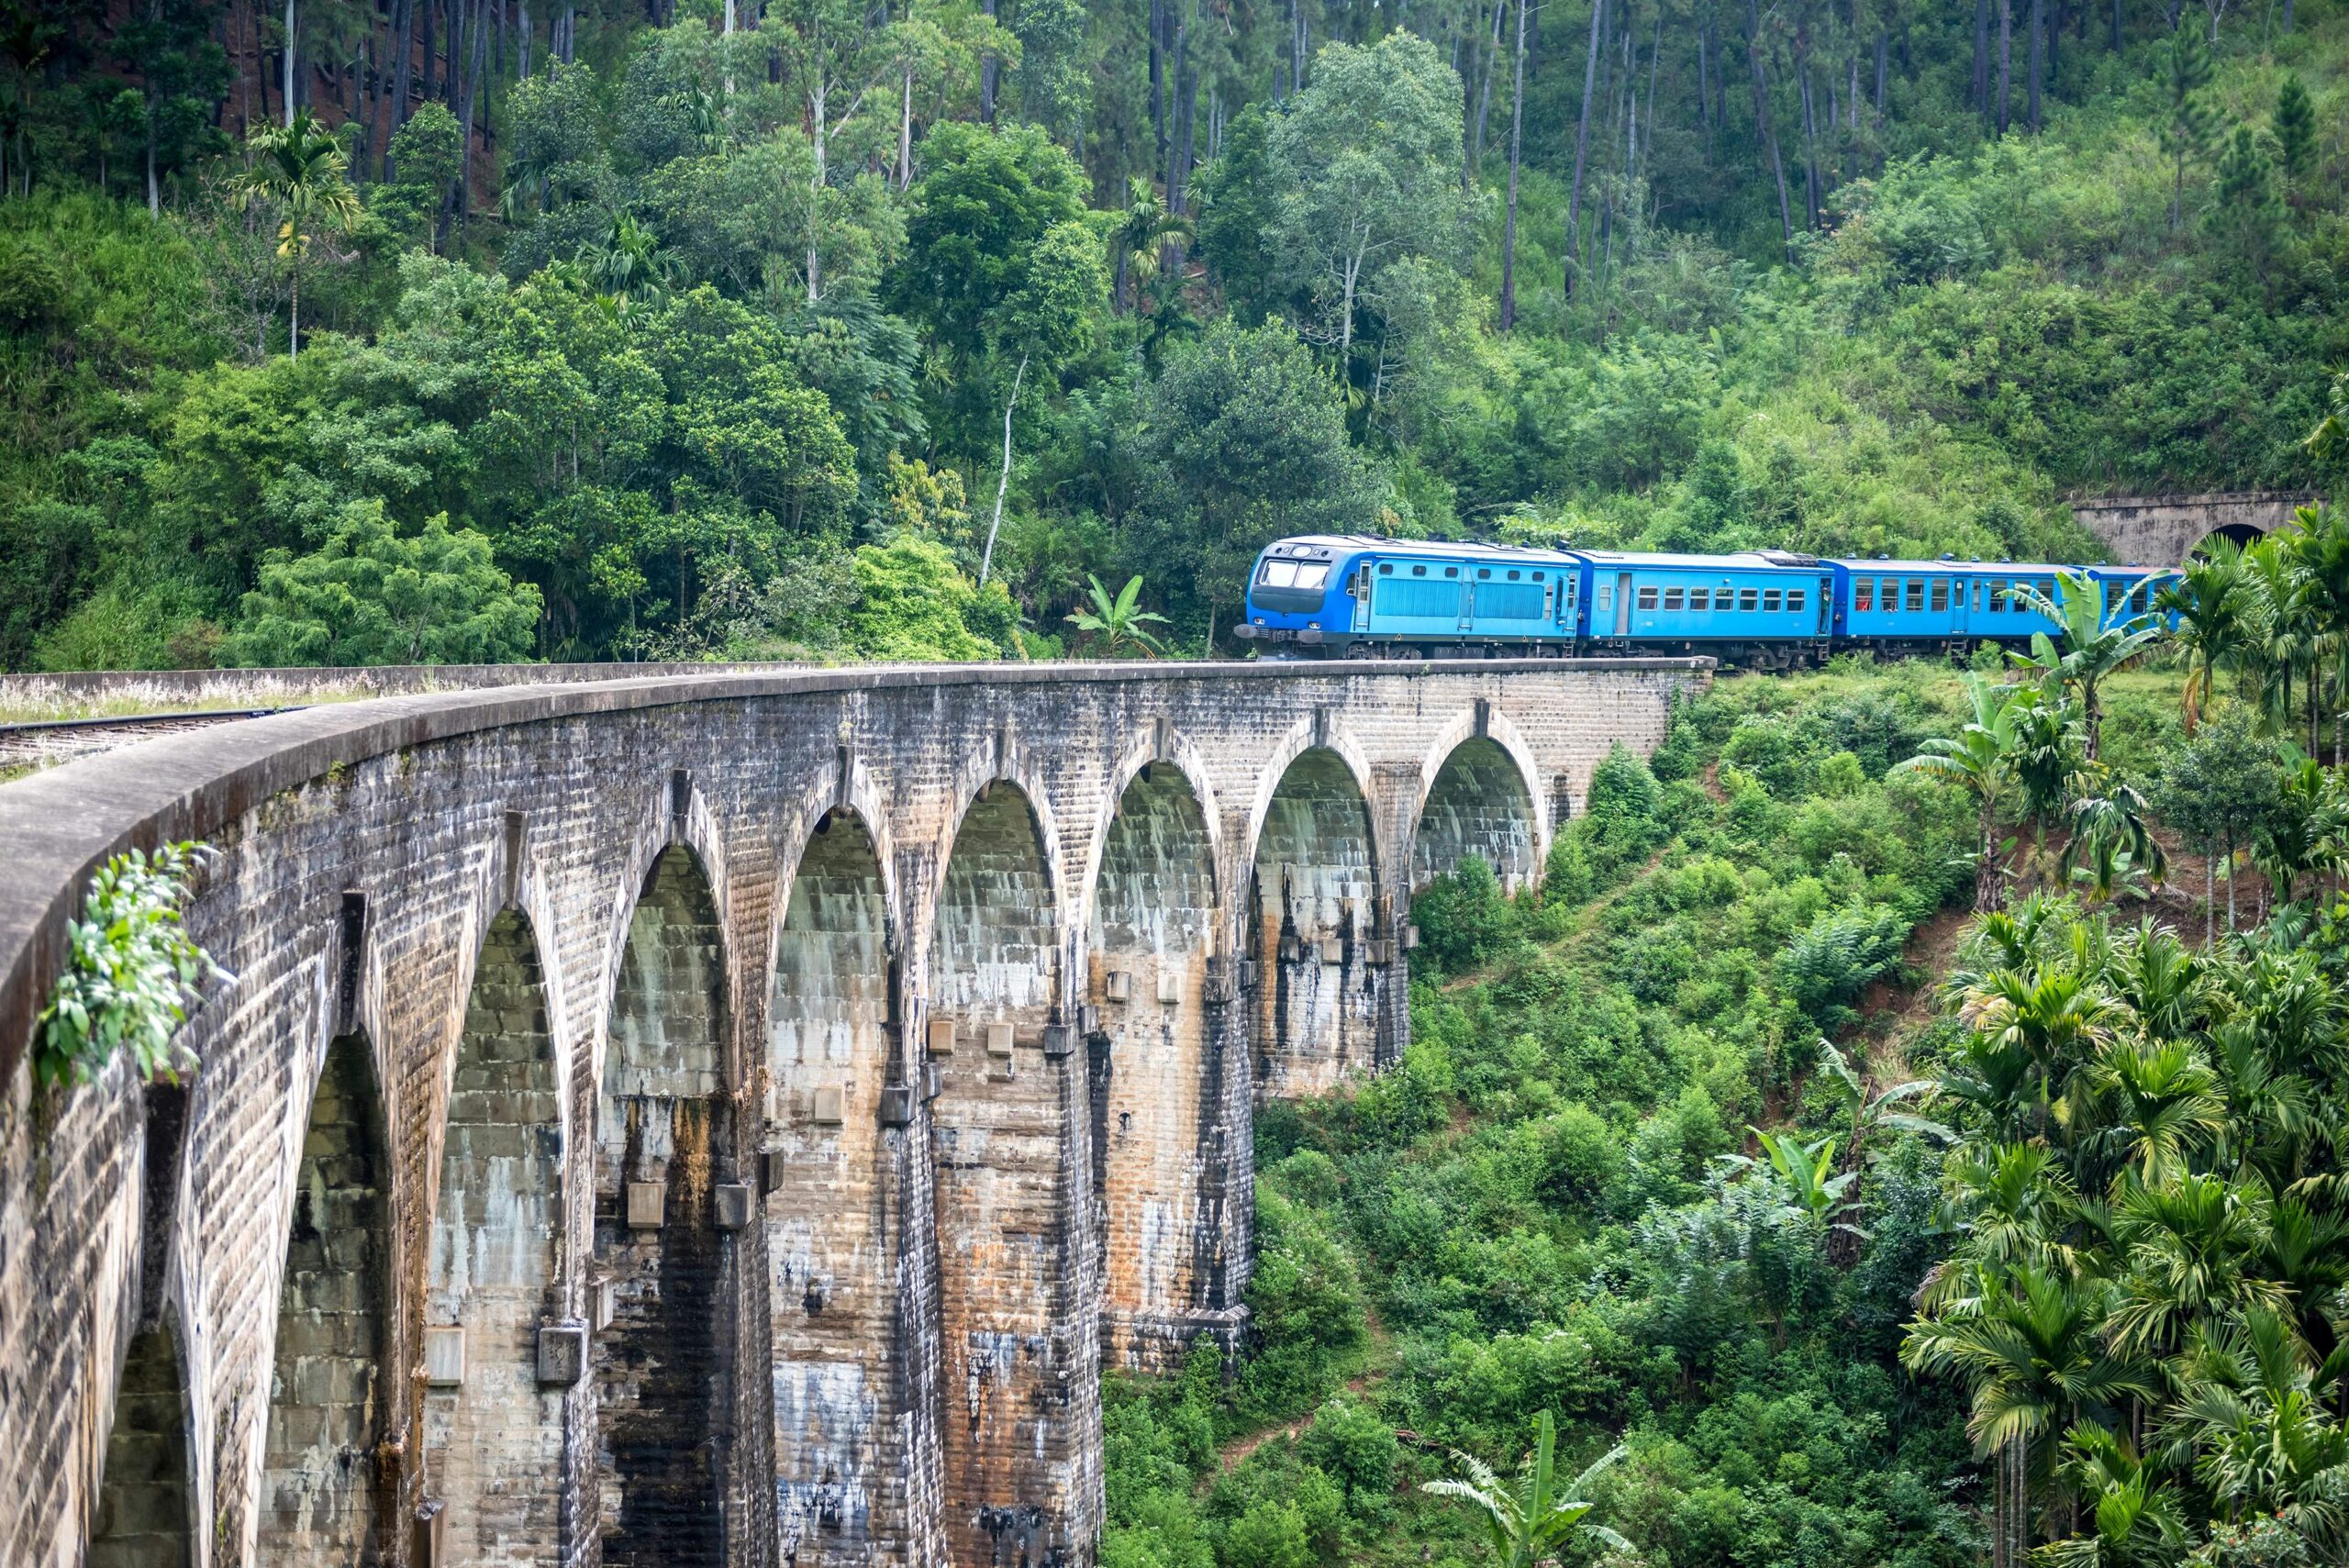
(129,964)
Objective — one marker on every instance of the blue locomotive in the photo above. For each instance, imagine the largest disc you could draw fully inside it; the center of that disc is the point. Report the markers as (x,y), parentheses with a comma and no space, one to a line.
(1331,596)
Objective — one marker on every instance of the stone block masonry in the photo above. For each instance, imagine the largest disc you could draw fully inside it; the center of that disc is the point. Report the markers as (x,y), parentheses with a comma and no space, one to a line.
(716,1118)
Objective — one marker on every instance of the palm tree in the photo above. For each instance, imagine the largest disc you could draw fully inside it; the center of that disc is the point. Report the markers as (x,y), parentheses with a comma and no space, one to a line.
(2088,645)
(2164,1102)
(300,168)
(1980,760)
(2058,1019)
(1116,622)
(2028,1341)
(2254,1416)
(2285,631)
(1137,238)
(2135,1520)
(2112,831)
(2194,1246)
(1532,1523)
(629,263)
(2321,547)
(2212,601)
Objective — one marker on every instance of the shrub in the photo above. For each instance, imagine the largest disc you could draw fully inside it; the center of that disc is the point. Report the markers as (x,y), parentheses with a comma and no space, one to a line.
(127,964)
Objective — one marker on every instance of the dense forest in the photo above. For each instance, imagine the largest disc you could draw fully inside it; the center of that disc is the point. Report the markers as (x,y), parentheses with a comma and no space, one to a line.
(367,330)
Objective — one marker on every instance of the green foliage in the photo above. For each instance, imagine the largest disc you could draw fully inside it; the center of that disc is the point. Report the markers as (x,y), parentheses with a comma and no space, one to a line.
(128,966)
(370,595)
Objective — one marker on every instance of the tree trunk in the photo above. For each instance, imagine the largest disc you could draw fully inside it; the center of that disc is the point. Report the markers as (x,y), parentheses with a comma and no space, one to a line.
(1003,481)
(2210,896)
(1883,66)
(522,40)
(478,54)
(1703,107)
(424,79)
(2038,48)
(403,78)
(906,136)
(818,97)
(2116,27)
(1762,121)
(2005,58)
(1582,144)
(1509,223)
(1982,57)
(290,52)
(2231,882)
(990,71)
(1985,871)
(1157,78)
(1492,53)
(294,321)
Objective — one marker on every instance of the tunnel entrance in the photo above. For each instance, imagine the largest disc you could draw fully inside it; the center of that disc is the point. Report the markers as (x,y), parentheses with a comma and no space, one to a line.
(2242,536)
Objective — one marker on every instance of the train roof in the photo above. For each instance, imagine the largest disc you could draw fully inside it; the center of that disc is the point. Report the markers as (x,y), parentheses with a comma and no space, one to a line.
(1407,547)
(1742,560)
(1991,568)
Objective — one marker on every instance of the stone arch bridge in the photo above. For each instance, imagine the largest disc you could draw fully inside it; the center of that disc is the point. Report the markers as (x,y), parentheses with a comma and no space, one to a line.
(725,1119)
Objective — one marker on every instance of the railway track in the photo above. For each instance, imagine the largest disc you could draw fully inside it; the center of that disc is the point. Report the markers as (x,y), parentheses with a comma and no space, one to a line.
(46,742)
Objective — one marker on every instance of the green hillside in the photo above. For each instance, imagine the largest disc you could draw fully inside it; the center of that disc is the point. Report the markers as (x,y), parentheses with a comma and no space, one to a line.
(687,378)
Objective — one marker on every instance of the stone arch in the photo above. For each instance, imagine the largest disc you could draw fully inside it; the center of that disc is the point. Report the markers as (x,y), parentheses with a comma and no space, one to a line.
(663,1144)
(1165,748)
(145,1495)
(1007,1239)
(832,1237)
(494,1434)
(1479,802)
(1154,1066)
(322,1499)
(1312,916)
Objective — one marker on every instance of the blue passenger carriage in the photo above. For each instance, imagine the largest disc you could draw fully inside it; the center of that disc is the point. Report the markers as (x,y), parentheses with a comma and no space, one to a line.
(1769,607)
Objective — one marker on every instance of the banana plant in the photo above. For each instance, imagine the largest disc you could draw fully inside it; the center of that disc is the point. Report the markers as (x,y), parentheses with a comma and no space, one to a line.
(1116,623)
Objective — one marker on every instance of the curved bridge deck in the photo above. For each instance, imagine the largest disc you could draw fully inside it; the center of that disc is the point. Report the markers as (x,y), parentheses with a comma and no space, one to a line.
(717,1116)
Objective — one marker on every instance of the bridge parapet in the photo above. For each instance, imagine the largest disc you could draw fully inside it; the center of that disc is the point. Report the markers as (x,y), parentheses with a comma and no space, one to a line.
(888,1035)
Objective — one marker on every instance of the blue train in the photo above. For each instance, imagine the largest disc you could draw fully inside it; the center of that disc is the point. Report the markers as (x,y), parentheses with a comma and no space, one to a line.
(1327,596)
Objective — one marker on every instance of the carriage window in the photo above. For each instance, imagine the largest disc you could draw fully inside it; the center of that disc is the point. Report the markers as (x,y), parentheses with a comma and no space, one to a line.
(1916,593)
(2047,589)
(1696,597)
(1940,594)
(1977,597)
(1999,594)
(1278,573)
(1746,599)
(2138,600)
(1888,598)
(1418,571)
(1770,598)
(1537,576)
(1794,598)
(1647,598)
(1605,595)
(1672,597)
(1863,592)
(1384,570)
(1484,571)
(1451,571)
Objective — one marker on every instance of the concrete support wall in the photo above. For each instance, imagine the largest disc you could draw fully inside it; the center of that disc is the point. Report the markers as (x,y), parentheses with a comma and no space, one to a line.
(495,958)
(2163,530)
